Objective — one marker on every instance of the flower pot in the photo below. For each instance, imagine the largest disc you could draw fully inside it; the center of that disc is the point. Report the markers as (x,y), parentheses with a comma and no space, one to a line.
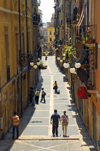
(83,67)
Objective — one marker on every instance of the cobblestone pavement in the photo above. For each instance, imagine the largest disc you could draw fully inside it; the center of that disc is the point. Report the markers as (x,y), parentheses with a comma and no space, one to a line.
(35,129)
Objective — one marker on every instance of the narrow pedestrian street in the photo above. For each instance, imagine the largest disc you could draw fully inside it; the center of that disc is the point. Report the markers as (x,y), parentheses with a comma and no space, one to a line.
(36,130)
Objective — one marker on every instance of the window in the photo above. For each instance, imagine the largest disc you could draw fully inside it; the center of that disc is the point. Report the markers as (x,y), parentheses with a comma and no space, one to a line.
(7,47)
(29,46)
(23,43)
(50,39)
(50,33)
(17,52)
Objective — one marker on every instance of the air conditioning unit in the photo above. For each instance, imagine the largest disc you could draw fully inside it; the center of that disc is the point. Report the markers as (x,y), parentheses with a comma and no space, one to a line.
(1,122)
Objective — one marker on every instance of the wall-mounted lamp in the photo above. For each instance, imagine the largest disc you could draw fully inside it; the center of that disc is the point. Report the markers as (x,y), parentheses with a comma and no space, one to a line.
(35,66)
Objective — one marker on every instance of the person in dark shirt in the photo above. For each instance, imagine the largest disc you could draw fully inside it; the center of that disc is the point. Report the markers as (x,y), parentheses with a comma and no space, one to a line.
(55,118)
(31,96)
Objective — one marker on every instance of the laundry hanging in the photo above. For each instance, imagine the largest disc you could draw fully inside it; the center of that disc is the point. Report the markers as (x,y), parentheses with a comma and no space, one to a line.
(81,19)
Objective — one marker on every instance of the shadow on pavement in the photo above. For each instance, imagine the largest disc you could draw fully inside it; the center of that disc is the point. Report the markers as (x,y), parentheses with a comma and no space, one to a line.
(24,120)
(81,127)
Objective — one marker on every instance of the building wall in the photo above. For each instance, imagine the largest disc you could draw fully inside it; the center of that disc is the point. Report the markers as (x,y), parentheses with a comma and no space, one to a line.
(9,50)
(50,29)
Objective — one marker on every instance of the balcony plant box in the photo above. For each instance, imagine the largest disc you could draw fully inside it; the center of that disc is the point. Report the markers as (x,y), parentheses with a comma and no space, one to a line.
(84,66)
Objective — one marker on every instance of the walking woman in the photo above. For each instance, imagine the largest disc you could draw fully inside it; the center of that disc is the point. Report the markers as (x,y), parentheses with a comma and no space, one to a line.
(56,86)
(37,96)
(65,121)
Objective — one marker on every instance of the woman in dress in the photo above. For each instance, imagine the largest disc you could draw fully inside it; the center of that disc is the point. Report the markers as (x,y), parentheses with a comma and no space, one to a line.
(65,121)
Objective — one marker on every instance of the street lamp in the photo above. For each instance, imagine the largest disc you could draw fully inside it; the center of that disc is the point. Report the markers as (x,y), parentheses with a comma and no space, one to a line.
(66,65)
(31,63)
(39,59)
(61,61)
(72,70)
(77,65)
(58,58)
(38,63)
(35,66)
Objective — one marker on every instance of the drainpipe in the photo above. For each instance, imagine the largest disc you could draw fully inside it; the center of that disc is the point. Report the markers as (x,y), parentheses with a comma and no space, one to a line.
(27,28)
(27,50)
(20,51)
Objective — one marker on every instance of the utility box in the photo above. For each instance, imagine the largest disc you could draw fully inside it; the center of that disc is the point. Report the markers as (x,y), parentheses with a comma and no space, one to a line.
(1,122)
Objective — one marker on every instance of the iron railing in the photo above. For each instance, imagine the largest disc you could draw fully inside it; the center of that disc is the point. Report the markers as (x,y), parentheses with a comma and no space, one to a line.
(36,17)
(86,33)
(86,73)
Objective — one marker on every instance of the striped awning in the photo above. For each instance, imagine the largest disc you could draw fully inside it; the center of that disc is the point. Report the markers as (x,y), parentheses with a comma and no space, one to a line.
(81,19)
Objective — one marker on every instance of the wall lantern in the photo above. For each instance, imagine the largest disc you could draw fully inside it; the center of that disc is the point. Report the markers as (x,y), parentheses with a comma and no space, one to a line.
(72,70)
(77,65)
(58,58)
(38,63)
(35,66)
(31,63)
(66,65)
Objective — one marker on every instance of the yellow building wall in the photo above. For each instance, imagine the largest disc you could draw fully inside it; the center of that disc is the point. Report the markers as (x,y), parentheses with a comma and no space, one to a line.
(50,29)
(9,20)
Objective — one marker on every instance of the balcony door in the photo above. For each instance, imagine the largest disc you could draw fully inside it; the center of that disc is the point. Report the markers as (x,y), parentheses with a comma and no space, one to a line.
(7,54)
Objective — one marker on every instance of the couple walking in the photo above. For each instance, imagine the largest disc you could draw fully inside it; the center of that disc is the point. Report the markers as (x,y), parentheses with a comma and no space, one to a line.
(55,119)
(43,93)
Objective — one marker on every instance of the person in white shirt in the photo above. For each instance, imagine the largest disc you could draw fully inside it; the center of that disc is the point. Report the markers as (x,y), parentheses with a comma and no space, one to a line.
(43,95)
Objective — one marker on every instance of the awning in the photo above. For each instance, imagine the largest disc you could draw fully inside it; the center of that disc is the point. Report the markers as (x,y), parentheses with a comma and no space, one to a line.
(81,19)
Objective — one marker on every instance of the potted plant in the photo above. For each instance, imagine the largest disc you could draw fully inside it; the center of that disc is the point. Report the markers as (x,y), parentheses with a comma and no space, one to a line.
(77,16)
(84,66)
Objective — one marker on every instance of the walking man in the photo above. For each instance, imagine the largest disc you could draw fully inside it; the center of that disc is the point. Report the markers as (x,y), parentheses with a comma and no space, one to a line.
(43,95)
(16,124)
(55,118)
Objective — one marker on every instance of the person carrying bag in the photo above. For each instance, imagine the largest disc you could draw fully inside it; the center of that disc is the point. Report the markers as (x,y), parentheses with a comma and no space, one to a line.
(55,87)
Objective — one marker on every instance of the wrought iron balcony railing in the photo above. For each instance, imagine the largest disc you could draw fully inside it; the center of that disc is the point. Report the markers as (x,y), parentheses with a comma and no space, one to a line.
(87,34)
(36,17)
(88,59)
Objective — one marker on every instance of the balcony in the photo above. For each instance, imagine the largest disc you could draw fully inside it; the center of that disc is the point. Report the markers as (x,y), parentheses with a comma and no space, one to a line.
(8,73)
(37,53)
(87,34)
(88,59)
(36,18)
(38,2)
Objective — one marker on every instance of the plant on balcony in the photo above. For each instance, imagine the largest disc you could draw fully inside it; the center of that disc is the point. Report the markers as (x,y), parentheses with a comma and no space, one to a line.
(59,9)
(70,42)
(85,66)
(42,66)
(68,53)
(57,30)
(89,84)
(77,16)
